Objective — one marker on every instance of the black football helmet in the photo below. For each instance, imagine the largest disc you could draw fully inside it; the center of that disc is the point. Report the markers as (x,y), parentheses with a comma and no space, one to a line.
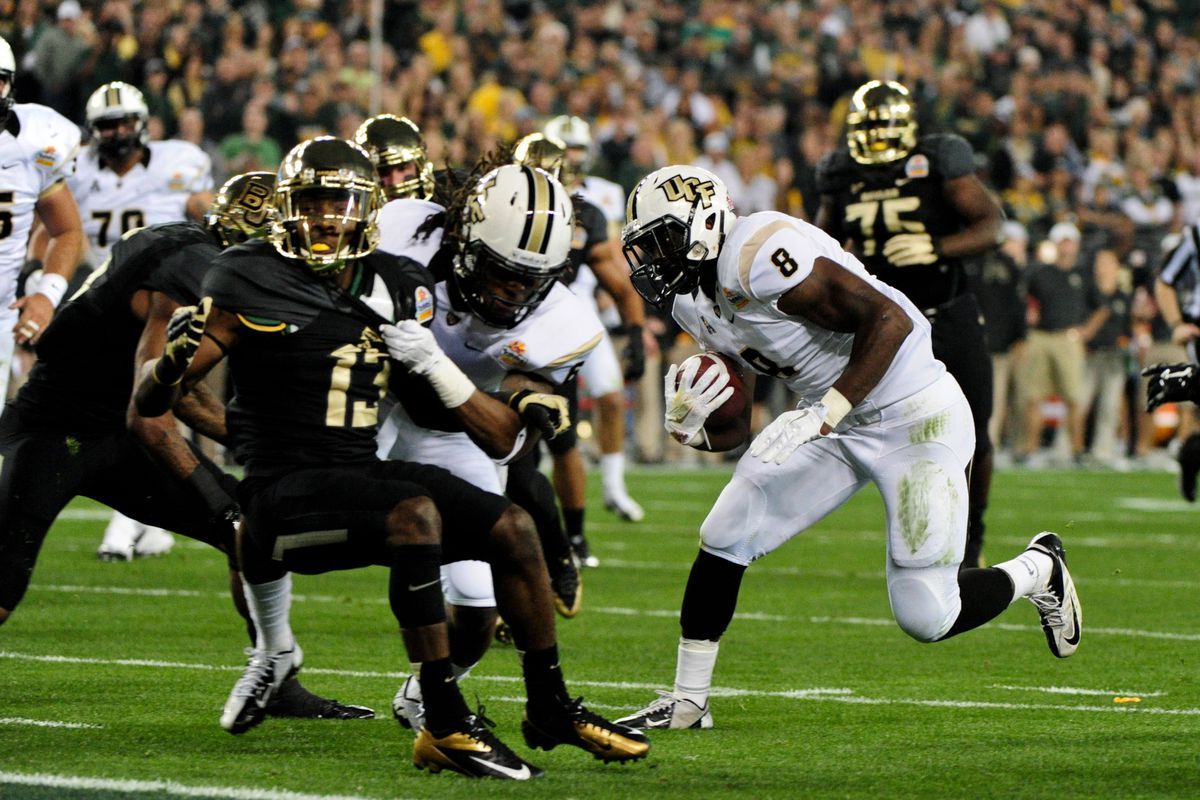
(393,141)
(881,126)
(242,209)
(327,196)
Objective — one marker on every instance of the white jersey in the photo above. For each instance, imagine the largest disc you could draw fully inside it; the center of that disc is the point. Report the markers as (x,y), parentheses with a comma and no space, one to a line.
(398,223)
(764,256)
(154,191)
(37,151)
(609,197)
(552,341)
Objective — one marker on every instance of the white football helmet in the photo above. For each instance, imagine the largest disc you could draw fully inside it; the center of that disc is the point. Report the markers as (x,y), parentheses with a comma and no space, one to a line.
(516,238)
(110,105)
(677,218)
(8,72)
(576,134)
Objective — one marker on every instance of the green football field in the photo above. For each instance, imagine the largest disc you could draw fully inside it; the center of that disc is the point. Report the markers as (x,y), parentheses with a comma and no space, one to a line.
(112,676)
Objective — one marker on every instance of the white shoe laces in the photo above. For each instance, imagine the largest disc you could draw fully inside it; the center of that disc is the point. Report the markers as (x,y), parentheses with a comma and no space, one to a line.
(1050,606)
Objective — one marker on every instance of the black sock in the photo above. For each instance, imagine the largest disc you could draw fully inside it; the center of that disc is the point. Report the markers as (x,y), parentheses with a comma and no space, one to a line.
(710,597)
(985,594)
(573,519)
(445,708)
(543,677)
(531,490)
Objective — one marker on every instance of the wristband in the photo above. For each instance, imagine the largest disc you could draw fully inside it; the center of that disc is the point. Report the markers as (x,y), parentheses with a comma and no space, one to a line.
(453,387)
(836,407)
(53,286)
(221,505)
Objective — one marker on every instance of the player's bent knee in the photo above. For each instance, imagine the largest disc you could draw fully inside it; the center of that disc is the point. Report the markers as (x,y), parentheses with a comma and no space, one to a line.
(414,521)
(923,612)
(733,520)
(516,534)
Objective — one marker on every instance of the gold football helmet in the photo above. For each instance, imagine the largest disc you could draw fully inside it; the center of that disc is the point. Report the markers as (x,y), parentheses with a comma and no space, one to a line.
(242,209)
(328,198)
(881,126)
(393,141)
(544,152)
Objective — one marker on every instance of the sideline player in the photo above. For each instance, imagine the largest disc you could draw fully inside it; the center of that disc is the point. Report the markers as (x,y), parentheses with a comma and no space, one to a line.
(308,322)
(37,155)
(596,263)
(913,209)
(784,299)
(65,434)
(123,182)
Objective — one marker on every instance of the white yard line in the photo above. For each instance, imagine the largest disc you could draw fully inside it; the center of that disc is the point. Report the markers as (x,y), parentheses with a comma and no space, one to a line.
(169,787)
(49,723)
(1076,691)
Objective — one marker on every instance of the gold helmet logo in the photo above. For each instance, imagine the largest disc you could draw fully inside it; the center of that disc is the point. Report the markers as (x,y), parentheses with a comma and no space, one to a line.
(690,189)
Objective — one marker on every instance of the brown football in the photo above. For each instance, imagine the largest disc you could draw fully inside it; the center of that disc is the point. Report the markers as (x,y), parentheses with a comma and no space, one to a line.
(729,411)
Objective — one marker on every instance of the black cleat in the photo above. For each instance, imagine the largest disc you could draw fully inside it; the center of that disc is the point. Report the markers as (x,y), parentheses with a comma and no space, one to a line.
(572,723)
(293,700)
(1189,467)
(567,585)
(473,750)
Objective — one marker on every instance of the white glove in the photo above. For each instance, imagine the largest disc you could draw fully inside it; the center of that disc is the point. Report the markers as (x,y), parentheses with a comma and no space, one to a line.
(910,250)
(787,432)
(413,345)
(689,405)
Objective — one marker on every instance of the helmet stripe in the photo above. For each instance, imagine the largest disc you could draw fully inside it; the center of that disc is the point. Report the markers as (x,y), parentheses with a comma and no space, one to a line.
(537,221)
(523,243)
(112,97)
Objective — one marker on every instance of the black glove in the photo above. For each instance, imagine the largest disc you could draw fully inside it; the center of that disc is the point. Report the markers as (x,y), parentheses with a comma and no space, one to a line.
(635,354)
(1170,383)
(548,413)
(185,331)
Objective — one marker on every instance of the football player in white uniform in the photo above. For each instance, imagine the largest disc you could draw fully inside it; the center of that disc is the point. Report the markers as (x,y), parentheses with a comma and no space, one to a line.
(783,299)
(37,154)
(123,182)
(507,322)
(602,374)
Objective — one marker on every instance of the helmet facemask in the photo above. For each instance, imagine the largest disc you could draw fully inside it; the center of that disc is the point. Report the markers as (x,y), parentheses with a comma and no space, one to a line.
(501,292)
(327,225)
(663,259)
(129,133)
(395,142)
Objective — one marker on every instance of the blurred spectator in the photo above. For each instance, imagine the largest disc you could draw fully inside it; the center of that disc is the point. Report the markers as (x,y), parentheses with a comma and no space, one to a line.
(1000,287)
(1107,367)
(251,149)
(57,58)
(715,159)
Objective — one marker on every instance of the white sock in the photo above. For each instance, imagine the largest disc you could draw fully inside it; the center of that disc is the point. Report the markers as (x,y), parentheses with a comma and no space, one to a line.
(270,608)
(694,669)
(612,472)
(1030,572)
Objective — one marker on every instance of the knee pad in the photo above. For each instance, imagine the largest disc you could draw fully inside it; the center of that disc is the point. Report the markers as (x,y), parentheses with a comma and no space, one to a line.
(928,522)
(925,602)
(734,520)
(468,583)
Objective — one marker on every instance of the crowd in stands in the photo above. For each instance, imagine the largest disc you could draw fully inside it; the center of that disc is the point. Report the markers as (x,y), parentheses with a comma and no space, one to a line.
(1084,117)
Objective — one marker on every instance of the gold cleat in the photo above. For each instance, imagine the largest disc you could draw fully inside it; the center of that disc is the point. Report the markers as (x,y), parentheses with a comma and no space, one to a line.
(473,751)
(573,724)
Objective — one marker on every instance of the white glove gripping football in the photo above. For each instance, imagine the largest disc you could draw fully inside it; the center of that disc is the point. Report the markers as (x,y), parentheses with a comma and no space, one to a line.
(787,432)
(689,404)
(910,250)
(414,346)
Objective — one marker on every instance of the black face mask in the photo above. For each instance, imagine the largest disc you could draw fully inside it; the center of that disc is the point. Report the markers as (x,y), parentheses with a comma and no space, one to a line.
(480,272)
(658,263)
(119,147)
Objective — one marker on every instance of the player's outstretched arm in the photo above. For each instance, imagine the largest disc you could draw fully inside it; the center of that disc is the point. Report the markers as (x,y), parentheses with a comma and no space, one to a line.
(59,218)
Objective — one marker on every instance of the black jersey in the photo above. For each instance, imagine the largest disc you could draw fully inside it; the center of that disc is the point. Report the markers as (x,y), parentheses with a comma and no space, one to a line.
(590,229)
(310,367)
(83,378)
(873,203)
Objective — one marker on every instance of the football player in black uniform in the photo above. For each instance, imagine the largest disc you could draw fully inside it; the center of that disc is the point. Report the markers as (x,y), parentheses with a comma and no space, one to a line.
(912,208)
(303,320)
(591,246)
(65,433)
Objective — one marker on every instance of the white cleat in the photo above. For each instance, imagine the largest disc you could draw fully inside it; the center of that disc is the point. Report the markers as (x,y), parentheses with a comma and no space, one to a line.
(119,538)
(669,712)
(408,706)
(1058,603)
(264,674)
(154,542)
(624,506)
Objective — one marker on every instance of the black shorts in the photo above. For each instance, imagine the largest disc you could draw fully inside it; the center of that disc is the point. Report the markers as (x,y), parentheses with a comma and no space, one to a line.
(329,518)
(959,343)
(44,469)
